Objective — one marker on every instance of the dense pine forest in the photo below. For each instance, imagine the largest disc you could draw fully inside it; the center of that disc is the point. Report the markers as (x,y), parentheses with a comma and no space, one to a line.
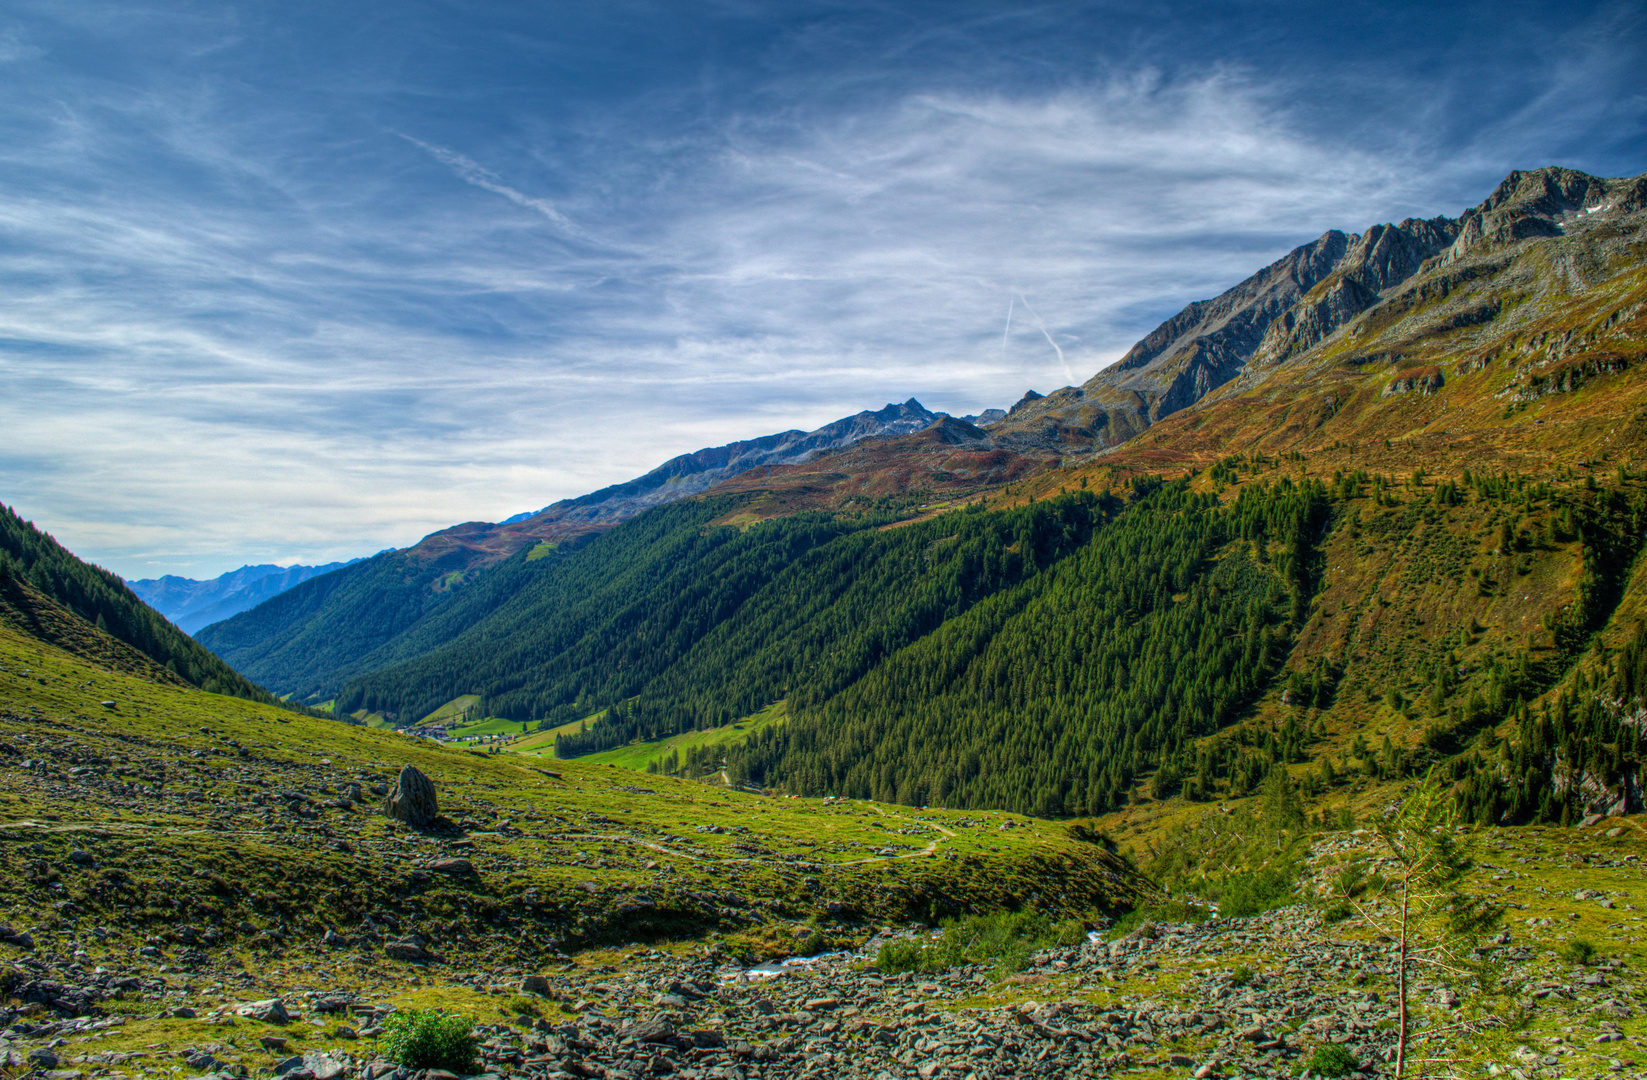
(701,623)
(1054,695)
(29,556)
(1070,655)
(346,616)
(1062,647)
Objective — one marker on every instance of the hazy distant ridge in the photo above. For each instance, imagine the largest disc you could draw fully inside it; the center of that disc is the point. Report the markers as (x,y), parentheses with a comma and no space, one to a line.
(191,604)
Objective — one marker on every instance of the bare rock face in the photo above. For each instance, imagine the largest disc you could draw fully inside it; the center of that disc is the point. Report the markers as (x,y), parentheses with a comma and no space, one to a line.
(413,799)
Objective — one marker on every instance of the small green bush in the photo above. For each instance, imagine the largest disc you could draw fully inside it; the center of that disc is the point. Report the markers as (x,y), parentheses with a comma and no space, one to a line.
(1241,896)
(1242,975)
(429,1039)
(1578,951)
(1331,1059)
(522,1005)
(1005,940)
(1336,911)
(899,956)
(1351,880)
(1173,911)
(812,944)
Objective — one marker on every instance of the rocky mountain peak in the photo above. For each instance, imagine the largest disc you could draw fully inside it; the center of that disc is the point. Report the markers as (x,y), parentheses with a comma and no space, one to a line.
(1548,191)
(1542,203)
(1375,261)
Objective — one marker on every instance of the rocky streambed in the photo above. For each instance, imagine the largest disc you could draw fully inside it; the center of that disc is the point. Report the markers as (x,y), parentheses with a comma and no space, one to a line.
(1225,998)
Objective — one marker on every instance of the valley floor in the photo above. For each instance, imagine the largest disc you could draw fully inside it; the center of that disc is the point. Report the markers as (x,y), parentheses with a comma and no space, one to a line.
(174,862)
(1226,997)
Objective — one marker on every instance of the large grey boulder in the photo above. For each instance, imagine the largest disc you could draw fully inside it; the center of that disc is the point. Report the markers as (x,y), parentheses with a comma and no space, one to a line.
(413,799)
(269,1011)
(656,1029)
(322,1066)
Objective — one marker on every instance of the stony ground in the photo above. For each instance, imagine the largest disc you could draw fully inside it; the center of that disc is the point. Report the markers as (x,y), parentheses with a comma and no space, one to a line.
(1226,998)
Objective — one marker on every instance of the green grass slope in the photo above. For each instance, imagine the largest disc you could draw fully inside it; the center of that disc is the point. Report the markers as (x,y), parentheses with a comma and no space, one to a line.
(238,820)
(46,592)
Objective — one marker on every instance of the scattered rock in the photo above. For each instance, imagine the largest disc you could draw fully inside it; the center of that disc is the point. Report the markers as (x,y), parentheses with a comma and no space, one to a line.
(654,1030)
(200,1060)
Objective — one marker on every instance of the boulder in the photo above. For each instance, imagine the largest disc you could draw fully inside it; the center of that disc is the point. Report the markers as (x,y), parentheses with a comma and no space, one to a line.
(452,866)
(654,1030)
(21,938)
(409,951)
(413,799)
(534,984)
(323,1067)
(269,1011)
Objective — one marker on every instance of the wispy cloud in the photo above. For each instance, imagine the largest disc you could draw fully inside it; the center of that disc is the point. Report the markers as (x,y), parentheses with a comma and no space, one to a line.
(241,321)
(13,49)
(472,172)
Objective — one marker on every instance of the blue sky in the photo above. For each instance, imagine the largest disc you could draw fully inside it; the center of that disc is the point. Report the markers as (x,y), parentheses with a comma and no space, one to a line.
(294,282)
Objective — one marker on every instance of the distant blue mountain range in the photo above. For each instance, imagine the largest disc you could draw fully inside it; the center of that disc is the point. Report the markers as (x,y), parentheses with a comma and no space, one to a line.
(192,604)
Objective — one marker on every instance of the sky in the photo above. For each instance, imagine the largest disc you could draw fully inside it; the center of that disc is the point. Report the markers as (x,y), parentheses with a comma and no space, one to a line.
(296,282)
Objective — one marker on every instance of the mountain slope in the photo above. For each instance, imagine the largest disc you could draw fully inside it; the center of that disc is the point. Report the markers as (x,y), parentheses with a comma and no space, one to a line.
(48,594)
(1300,297)
(704,622)
(1132,640)
(690,474)
(1519,345)
(883,638)
(308,641)
(299,641)
(191,604)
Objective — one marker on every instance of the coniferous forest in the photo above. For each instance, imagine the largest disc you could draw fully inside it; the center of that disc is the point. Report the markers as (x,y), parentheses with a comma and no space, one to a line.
(1061,648)
(1053,658)
(1052,696)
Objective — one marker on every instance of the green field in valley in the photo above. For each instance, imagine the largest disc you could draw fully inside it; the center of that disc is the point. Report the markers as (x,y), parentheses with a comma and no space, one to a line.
(542,743)
(450,711)
(639,755)
(489,725)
